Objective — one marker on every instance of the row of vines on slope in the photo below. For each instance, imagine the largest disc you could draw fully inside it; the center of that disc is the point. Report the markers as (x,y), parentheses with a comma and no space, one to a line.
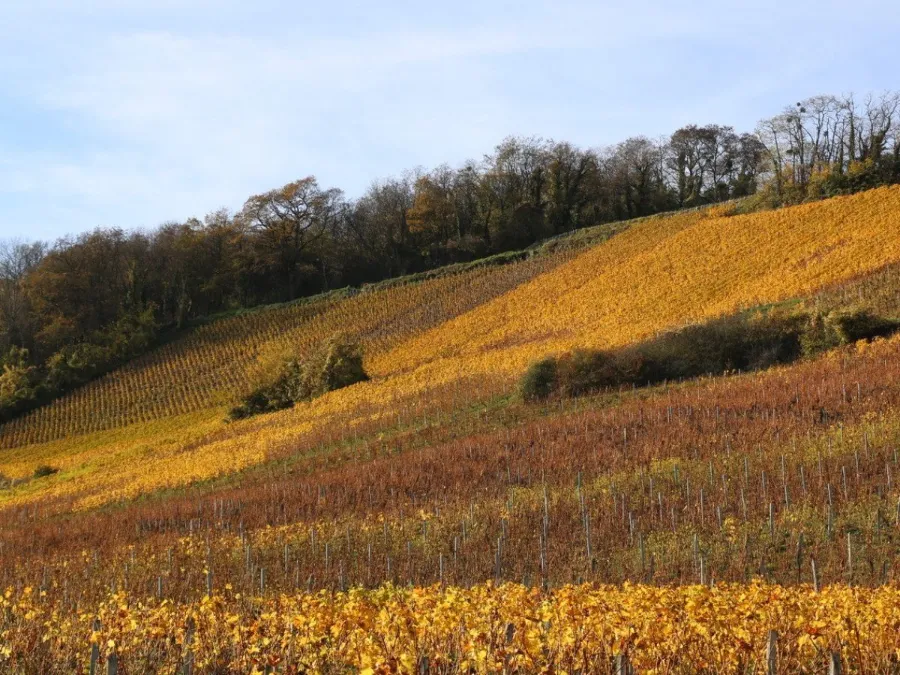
(212,364)
(483,629)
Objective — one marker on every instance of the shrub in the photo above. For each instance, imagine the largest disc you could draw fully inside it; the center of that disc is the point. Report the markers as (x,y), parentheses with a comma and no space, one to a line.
(254,403)
(859,324)
(727,344)
(742,342)
(45,470)
(842,327)
(818,335)
(338,363)
(15,385)
(18,383)
(585,371)
(540,380)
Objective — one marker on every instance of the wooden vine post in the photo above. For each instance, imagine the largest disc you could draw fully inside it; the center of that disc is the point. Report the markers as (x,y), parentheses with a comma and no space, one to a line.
(772,653)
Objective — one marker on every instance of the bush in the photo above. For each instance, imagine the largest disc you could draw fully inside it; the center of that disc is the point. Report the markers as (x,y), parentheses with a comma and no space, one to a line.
(18,383)
(539,381)
(843,327)
(338,363)
(737,343)
(254,403)
(859,324)
(45,470)
(341,365)
(728,344)
(585,371)
(818,335)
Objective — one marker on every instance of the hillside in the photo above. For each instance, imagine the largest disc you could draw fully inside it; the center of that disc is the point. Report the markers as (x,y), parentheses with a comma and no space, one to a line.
(440,335)
(436,472)
(666,272)
(210,366)
(726,262)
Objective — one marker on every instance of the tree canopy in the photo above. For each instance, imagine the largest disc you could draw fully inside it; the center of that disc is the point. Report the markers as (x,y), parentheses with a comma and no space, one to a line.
(73,309)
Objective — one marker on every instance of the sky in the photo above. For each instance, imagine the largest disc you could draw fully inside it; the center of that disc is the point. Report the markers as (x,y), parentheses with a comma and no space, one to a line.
(132,113)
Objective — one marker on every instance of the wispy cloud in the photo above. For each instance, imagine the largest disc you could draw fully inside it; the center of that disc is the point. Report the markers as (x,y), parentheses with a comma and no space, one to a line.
(135,112)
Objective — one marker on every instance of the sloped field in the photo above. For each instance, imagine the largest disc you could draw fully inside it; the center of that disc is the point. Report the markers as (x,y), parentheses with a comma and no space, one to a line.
(430,521)
(212,364)
(661,273)
(444,344)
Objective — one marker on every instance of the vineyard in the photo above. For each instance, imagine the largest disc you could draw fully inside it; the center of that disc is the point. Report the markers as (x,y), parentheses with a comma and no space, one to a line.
(211,364)
(485,629)
(666,272)
(429,520)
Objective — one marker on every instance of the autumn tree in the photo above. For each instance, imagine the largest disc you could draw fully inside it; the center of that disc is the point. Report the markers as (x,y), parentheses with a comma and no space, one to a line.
(85,284)
(17,260)
(569,170)
(69,311)
(287,222)
(434,209)
(378,230)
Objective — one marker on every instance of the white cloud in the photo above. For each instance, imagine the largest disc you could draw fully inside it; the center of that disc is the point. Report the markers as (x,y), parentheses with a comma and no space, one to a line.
(167,109)
(228,114)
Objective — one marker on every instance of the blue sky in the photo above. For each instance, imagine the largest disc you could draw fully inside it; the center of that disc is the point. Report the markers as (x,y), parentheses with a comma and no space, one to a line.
(131,113)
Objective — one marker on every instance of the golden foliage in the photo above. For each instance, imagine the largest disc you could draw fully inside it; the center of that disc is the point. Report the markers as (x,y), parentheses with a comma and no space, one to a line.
(663,272)
(473,332)
(212,364)
(483,629)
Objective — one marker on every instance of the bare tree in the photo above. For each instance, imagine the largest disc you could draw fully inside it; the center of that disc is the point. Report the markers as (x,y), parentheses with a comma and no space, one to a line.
(568,170)
(827,133)
(17,259)
(881,114)
(287,221)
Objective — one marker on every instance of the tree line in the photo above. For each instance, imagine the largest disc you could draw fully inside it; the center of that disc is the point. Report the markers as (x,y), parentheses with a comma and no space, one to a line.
(74,309)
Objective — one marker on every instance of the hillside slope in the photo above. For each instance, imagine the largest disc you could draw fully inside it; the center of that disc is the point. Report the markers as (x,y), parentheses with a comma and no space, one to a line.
(661,273)
(432,520)
(211,365)
(436,347)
